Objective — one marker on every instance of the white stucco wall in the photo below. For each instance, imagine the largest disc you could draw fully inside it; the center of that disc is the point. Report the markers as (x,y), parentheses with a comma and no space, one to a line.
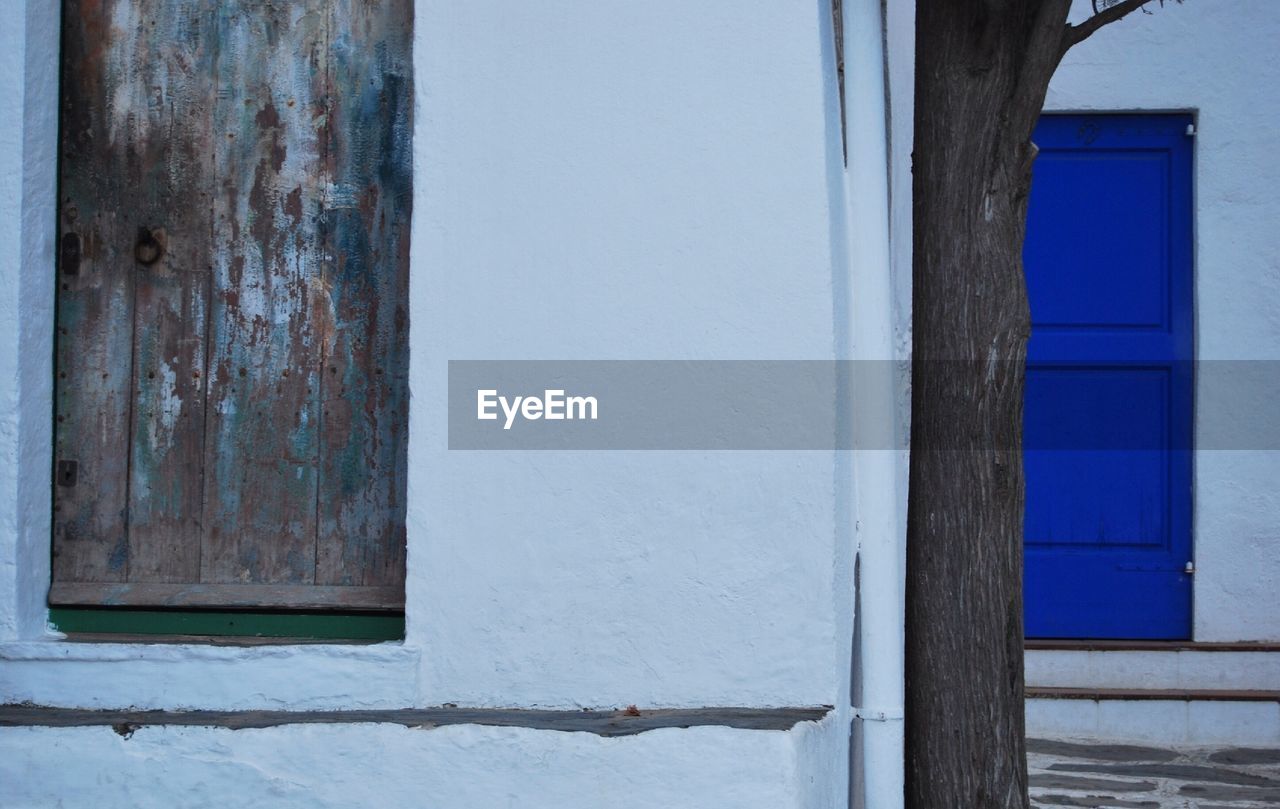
(28,176)
(1218,60)
(592,181)
(382,766)
(606,182)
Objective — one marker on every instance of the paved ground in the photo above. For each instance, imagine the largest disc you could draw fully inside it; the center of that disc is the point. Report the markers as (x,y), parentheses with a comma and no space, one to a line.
(1126,777)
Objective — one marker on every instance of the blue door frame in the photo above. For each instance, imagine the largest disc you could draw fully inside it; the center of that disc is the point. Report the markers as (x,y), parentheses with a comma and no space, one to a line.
(1108,417)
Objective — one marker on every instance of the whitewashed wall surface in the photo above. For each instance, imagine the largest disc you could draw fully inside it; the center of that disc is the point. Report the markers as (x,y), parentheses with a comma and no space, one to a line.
(657,180)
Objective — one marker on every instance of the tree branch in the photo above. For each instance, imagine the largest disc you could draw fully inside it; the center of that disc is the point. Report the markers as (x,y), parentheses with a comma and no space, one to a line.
(1043,52)
(1079,33)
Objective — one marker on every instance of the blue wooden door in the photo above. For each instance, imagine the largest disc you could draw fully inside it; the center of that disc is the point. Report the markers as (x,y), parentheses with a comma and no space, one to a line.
(1109,378)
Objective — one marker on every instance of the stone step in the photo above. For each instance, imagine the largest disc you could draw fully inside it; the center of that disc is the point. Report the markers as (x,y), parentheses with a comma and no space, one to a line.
(1166,716)
(1164,694)
(1149,666)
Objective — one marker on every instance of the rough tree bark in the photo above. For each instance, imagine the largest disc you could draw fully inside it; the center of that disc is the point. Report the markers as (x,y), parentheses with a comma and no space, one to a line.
(982,71)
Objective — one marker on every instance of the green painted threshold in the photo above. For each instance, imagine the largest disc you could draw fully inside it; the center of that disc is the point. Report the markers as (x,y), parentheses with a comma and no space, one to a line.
(308,625)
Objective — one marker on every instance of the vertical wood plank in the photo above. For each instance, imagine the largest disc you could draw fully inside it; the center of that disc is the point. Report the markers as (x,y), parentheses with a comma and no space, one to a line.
(169,57)
(261,441)
(102,165)
(364,379)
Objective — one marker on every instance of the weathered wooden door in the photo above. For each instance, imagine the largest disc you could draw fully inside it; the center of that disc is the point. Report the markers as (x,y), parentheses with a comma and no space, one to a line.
(231,397)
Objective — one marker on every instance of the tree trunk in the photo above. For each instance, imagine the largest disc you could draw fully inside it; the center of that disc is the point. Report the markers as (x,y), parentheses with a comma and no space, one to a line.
(982,70)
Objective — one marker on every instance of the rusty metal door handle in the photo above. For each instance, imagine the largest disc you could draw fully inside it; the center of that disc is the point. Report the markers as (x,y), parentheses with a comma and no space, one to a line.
(149,247)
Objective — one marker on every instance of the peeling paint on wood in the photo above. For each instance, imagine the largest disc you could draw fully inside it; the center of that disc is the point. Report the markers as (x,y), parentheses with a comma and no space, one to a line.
(365,354)
(232,347)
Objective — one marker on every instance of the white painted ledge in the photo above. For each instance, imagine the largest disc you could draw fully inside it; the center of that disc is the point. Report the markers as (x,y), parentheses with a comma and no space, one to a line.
(193,676)
(377,765)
